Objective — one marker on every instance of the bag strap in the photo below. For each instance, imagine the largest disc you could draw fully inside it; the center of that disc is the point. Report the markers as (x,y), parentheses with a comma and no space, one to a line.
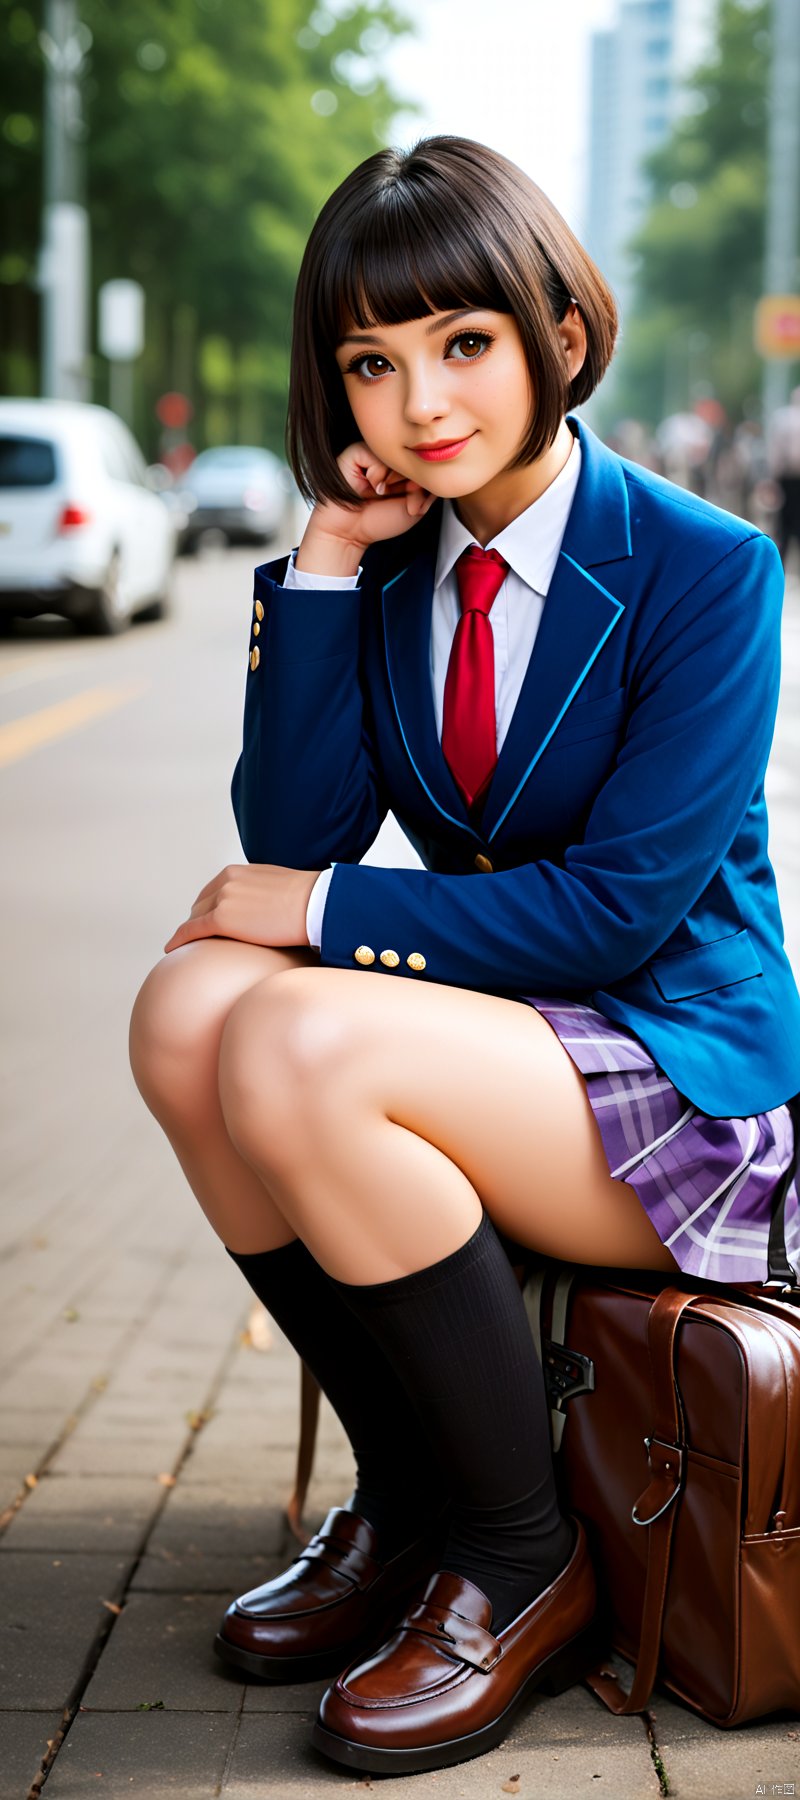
(657,1507)
(780,1272)
(309,1418)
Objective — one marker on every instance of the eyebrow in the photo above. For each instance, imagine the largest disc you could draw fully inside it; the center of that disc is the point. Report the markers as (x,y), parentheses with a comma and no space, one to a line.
(360,337)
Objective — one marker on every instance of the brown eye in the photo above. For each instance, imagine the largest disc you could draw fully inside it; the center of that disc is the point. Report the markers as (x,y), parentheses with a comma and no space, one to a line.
(471,345)
(360,366)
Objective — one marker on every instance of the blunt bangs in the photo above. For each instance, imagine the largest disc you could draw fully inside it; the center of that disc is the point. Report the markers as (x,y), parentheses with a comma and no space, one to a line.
(449,223)
(412,255)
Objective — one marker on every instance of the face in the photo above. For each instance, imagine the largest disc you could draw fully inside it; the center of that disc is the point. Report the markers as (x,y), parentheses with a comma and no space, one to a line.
(459,380)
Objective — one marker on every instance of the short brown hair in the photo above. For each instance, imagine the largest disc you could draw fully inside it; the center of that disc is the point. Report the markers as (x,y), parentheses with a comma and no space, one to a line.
(445,224)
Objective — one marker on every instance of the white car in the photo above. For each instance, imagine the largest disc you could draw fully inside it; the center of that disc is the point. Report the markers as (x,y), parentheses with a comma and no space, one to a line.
(82,533)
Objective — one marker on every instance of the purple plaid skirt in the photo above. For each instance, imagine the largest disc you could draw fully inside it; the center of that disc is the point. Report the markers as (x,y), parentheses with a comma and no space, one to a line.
(705,1183)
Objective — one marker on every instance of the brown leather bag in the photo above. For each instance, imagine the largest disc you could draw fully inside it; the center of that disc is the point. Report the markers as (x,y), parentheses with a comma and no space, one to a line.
(676,1412)
(681,1454)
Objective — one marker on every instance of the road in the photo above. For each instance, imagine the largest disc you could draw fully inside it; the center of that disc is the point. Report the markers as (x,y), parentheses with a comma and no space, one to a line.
(130,1472)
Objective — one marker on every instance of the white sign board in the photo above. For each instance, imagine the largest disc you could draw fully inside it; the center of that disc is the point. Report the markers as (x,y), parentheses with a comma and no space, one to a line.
(121,320)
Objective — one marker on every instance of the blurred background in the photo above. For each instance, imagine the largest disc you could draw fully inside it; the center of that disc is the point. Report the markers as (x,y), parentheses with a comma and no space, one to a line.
(161,164)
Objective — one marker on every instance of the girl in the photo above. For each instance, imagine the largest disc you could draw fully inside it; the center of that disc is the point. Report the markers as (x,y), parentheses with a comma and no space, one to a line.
(574,1030)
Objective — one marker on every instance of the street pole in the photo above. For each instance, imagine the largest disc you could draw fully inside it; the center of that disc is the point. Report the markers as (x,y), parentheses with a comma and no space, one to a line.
(782,261)
(64,258)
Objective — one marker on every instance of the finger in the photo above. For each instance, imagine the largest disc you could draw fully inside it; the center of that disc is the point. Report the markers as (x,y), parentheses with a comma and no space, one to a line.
(416,505)
(187,933)
(372,468)
(201,907)
(210,887)
(377,476)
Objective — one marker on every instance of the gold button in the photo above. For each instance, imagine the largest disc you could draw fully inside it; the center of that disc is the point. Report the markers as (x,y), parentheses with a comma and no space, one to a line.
(483,865)
(415,961)
(364,955)
(259,610)
(390,959)
(256,629)
(255,657)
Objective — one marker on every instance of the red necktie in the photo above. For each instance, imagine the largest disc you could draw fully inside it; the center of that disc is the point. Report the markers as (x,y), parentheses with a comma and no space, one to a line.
(469,725)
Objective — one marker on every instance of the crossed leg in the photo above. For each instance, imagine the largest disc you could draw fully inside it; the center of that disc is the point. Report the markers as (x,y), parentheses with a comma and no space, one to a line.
(375,1120)
(382,1115)
(174,1043)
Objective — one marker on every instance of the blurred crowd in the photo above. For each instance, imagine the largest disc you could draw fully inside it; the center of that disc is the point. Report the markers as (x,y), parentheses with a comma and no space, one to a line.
(749,470)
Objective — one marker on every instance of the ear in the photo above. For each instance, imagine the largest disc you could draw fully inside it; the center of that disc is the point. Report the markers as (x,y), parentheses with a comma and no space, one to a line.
(572,333)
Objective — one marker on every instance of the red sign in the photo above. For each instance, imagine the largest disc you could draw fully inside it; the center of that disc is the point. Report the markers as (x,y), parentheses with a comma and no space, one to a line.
(777,325)
(174,411)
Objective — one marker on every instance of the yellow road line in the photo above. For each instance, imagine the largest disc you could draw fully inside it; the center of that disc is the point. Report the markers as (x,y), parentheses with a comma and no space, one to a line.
(20,736)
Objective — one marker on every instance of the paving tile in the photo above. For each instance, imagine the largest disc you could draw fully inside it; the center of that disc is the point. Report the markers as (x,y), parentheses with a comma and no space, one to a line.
(675,1723)
(732,1764)
(210,1517)
(697,1754)
(149,1756)
(124,1417)
(23,1745)
(26,1425)
(144,1455)
(197,1572)
(284,1697)
(16,1461)
(91,1513)
(274,1756)
(161,1649)
(50,1611)
(223,1459)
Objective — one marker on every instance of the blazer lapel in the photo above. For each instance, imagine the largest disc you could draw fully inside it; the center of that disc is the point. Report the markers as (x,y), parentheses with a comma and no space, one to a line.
(407,604)
(578,617)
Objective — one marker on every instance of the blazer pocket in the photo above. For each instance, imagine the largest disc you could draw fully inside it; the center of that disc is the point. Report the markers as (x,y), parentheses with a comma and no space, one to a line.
(699,971)
(590,718)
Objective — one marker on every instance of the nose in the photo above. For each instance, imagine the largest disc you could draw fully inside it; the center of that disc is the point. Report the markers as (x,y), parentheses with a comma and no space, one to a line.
(424,398)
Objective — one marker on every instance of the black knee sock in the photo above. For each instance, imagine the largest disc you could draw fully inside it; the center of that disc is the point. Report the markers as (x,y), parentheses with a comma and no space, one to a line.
(458,1336)
(399,1487)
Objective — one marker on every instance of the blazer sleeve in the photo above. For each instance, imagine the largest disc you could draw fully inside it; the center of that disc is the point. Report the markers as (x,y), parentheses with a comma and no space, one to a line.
(704,698)
(305,789)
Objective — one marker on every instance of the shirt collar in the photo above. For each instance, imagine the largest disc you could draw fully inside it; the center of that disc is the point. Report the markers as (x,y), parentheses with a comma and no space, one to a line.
(531,543)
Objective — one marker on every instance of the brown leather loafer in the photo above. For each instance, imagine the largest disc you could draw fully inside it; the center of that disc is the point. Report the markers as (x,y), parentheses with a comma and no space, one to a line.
(443,1689)
(335,1601)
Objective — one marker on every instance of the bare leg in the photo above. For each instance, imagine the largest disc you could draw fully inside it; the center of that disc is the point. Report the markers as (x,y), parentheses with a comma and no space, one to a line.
(176,1028)
(383,1114)
(393,1123)
(175,1031)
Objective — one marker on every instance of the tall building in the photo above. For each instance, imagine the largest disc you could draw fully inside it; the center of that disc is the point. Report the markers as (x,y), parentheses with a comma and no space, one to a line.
(636,92)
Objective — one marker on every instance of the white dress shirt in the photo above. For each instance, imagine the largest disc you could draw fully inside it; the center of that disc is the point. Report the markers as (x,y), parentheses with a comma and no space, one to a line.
(531,546)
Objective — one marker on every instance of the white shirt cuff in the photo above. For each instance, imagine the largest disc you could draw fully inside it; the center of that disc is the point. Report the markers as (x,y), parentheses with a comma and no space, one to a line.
(305,578)
(316,908)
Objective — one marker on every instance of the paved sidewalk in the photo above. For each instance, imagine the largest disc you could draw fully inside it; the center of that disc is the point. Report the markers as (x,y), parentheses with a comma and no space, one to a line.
(146,1445)
(163,1496)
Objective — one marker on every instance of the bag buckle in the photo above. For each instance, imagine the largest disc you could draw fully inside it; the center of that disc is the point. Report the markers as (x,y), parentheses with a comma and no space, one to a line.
(566,1373)
(790,1290)
(672,1465)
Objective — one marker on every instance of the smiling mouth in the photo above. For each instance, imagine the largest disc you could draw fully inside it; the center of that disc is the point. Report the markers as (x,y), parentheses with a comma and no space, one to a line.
(441,448)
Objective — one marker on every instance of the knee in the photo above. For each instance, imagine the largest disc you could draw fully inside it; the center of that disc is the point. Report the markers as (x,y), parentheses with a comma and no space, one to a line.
(283,1057)
(169,1024)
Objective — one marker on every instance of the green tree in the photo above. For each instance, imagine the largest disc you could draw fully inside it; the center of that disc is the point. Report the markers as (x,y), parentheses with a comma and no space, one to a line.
(215,129)
(700,249)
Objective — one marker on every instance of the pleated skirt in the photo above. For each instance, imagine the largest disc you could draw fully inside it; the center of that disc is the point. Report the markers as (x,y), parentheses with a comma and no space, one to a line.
(706,1183)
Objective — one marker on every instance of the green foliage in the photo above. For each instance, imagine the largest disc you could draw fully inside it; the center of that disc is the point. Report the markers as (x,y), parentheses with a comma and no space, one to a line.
(215,130)
(700,250)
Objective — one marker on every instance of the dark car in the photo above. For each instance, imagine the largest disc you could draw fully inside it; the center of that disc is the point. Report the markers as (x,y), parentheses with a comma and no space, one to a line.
(238,492)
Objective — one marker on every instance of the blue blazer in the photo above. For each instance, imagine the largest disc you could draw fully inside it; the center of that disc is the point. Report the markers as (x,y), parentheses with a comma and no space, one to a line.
(622,854)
